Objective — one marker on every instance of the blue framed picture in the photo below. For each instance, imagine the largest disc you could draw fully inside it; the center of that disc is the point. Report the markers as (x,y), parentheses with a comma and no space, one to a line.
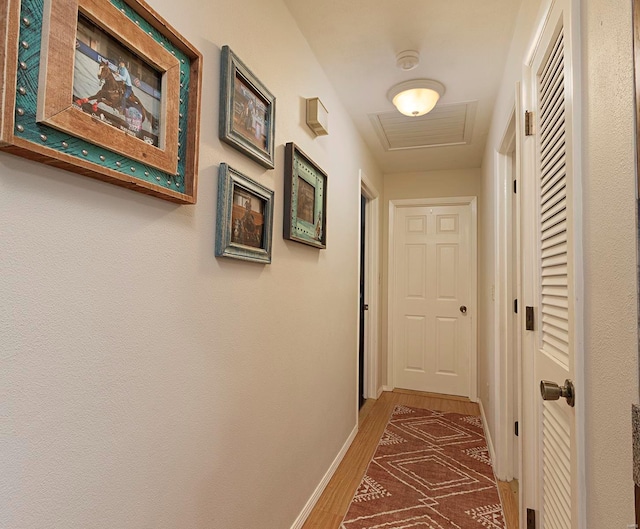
(244,219)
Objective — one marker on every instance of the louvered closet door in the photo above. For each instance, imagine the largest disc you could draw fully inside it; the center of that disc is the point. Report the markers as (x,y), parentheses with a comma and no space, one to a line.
(554,356)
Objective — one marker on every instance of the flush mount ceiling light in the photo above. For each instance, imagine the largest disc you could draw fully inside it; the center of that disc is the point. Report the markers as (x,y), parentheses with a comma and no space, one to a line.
(416,97)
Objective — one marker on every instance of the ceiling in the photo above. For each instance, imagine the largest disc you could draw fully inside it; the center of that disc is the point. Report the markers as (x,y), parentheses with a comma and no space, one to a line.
(462,43)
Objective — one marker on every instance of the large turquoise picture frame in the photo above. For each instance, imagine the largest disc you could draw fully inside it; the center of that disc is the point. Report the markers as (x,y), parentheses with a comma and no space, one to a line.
(42,118)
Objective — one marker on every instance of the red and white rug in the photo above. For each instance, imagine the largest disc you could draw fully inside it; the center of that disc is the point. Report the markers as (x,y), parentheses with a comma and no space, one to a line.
(431,470)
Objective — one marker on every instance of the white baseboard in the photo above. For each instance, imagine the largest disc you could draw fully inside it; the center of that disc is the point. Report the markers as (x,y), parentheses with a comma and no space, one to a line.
(381,390)
(387,388)
(492,452)
(306,511)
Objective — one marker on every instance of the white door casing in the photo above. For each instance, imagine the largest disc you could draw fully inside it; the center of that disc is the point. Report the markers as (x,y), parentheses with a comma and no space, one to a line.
(506,391)
(432,274)
(551,275)
(372,297)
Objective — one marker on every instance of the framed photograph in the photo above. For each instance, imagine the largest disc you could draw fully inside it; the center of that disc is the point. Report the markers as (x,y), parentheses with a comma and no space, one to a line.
(105,89)
(305,199)
(247,110)
(244,218)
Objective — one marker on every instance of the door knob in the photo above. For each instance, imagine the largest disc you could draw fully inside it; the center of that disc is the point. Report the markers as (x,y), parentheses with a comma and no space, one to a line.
(552,391)
(463,309)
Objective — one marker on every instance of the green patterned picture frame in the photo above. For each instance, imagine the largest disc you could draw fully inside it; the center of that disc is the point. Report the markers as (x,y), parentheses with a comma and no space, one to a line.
(140,132)
(305,198)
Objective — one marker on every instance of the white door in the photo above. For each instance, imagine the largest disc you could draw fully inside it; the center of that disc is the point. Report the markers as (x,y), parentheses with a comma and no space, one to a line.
(432,281)
(551,282)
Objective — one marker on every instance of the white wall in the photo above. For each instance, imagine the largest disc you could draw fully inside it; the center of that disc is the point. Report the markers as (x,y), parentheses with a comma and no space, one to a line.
(610,317)
(428,184)
(145,383)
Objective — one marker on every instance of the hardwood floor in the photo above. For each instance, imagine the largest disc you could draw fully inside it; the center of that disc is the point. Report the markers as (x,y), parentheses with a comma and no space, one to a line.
(374,415)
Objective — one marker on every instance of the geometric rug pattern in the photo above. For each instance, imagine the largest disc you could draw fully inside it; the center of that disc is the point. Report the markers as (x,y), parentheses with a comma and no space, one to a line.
(431,470)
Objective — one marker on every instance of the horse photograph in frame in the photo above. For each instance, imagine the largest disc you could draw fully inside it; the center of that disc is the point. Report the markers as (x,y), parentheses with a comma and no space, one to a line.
(144,145)
(247,110)
(126,91)
(244,218)
(247,218)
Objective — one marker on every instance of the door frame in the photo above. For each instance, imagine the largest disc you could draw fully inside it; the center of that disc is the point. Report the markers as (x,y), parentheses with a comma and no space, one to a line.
(472,203)
(372,389)
(507,289)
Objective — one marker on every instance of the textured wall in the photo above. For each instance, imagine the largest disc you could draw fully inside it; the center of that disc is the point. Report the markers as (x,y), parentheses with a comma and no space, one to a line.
(611,337)
(145,383)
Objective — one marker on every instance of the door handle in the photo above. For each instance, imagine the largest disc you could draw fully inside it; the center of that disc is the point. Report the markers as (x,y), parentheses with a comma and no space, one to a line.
(552,391)
(463,309)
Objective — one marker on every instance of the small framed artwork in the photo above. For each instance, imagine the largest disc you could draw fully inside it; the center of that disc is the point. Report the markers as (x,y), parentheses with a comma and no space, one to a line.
(247,110)
(305,197)
(105,89)
(245,217)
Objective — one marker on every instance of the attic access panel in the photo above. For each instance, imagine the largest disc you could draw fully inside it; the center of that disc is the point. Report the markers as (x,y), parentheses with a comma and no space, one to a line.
(444,125)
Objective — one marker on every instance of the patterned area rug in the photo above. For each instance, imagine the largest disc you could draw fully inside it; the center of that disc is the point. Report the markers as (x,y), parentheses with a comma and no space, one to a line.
(431,470)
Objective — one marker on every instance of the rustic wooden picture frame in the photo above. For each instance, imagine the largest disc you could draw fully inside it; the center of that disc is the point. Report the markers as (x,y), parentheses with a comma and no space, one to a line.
(305,199)
(39,119)
(256,137)
(244,227)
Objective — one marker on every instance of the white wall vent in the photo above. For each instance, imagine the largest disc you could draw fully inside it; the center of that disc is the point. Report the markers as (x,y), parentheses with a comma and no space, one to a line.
(444,125)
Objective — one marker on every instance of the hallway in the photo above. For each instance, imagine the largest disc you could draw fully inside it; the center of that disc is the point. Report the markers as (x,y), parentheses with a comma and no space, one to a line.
(146,382)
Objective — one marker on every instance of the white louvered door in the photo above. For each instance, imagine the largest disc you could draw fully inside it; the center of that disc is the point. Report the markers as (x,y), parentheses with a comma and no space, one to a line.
(553,358)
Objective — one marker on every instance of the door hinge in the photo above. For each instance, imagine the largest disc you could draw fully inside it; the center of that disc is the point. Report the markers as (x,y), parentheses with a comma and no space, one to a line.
(528,123)
(515,186)
(528,319)
(516,429)
(515,306)
(531,519)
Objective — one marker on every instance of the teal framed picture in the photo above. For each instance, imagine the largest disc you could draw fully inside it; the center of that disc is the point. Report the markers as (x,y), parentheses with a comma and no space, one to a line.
(105,89)
(244,222)
(305,196)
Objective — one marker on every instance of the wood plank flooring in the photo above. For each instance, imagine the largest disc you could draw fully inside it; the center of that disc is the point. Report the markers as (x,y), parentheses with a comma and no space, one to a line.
(374,415)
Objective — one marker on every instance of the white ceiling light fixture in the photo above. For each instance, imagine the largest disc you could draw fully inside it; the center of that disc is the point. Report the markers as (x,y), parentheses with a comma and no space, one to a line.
(416,97)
